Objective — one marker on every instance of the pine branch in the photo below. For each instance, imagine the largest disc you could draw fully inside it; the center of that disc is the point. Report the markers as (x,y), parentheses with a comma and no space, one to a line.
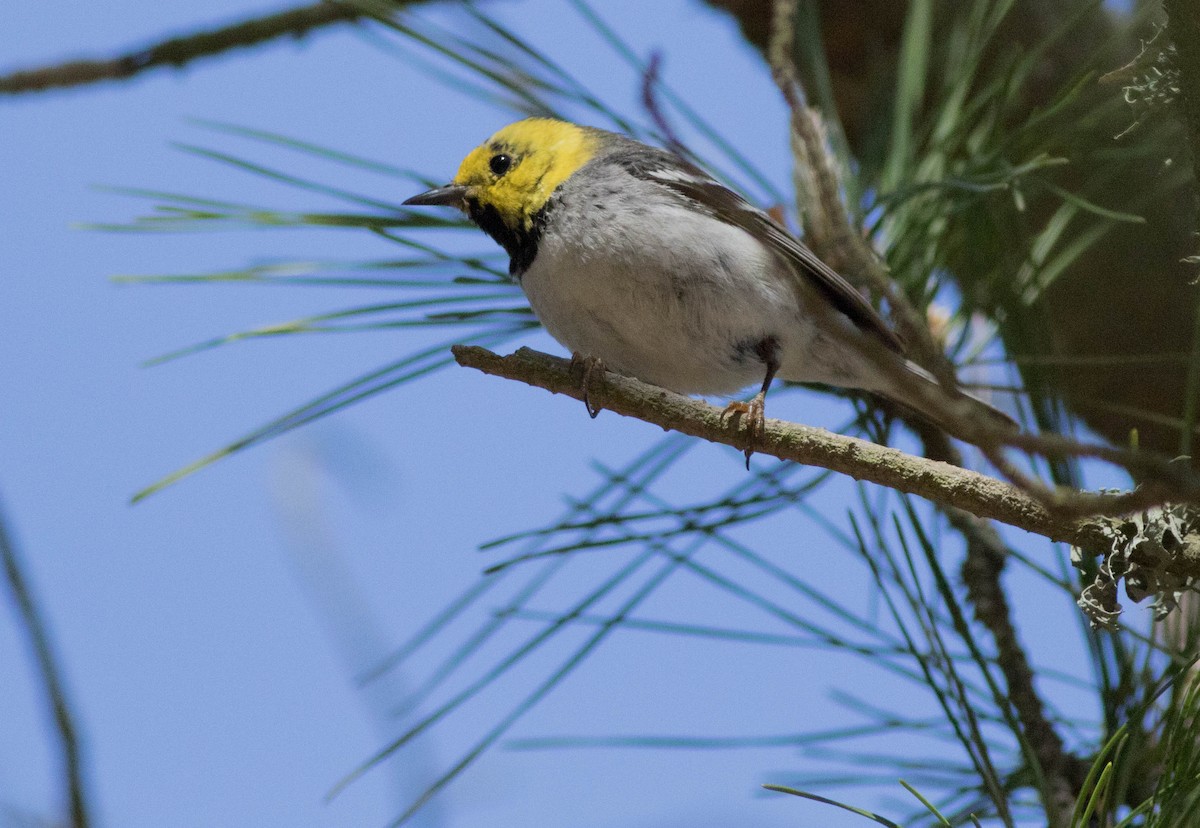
(938,482)
(986,553)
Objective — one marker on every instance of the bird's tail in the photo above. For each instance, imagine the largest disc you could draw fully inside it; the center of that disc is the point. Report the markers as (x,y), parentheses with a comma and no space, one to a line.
(953,410)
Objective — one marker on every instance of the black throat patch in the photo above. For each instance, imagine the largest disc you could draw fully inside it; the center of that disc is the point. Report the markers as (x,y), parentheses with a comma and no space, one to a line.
(520,243)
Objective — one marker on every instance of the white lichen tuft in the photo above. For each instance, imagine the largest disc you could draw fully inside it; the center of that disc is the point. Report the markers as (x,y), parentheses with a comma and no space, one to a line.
(1150,552)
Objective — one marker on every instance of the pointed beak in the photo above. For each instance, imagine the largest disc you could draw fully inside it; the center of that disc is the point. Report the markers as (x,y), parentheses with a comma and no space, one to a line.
(451,195)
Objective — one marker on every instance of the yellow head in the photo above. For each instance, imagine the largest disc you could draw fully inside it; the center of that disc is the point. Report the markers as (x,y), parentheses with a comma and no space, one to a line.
(505,182)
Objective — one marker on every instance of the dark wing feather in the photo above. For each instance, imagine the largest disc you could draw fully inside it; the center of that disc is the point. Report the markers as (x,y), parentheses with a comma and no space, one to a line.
(731,208)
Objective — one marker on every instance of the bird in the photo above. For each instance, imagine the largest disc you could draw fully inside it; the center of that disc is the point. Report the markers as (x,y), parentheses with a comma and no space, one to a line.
(638,262)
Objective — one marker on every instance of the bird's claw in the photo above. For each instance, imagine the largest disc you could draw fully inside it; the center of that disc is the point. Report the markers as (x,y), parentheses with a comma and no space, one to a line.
(754,415)
(588,366)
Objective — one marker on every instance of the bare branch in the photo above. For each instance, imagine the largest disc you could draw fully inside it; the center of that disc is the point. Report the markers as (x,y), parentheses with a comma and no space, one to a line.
(650,81)
(179,51)
(939,482)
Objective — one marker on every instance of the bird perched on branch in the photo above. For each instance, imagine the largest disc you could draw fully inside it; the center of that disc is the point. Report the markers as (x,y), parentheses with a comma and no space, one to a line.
(634,259)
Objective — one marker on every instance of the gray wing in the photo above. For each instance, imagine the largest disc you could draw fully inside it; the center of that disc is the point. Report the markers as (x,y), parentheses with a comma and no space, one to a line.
(731,208)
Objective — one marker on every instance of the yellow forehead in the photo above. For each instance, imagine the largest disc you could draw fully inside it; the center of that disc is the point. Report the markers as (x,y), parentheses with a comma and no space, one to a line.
(544,152)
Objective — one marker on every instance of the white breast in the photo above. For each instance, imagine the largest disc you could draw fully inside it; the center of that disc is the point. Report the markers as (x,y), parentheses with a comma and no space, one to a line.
(659,291)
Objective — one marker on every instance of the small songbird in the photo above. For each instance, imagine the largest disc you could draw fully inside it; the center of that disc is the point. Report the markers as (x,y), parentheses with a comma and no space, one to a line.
(636,259)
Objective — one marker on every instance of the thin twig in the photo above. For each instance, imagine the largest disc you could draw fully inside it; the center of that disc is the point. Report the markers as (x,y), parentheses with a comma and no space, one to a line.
(39,639)
(182,50)
(650,103)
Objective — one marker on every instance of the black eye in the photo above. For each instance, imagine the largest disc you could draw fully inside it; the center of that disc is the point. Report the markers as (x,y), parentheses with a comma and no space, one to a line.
(500,163)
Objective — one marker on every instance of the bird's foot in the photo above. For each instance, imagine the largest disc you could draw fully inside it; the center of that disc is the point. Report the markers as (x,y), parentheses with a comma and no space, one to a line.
(587,367)
(753,413)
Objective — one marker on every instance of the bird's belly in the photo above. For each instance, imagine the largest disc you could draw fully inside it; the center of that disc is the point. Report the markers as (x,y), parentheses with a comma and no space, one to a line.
(690,320)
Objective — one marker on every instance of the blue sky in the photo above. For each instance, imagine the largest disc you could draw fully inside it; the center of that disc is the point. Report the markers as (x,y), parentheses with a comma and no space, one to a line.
(211,633)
